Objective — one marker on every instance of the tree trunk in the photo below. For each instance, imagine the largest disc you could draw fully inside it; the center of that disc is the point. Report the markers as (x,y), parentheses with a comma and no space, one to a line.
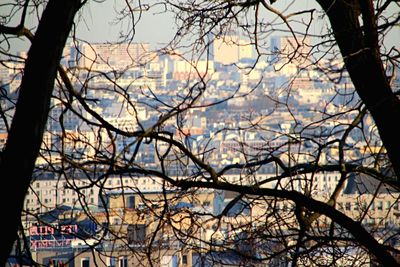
(360,50)
(29,121)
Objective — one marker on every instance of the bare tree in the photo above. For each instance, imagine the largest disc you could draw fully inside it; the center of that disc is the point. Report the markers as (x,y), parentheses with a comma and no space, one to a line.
(269,183)
(31,111)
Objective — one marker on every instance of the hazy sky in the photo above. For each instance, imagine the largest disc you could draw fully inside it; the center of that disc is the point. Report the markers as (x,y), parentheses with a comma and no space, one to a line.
(157,28)
(96,23)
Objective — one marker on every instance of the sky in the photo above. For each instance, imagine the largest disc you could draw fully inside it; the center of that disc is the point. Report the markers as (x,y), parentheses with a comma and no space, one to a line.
(157,27)
(96,23)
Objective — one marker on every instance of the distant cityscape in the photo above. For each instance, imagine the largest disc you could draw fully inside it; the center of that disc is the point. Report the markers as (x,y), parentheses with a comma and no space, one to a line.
(155,83)
(263,107)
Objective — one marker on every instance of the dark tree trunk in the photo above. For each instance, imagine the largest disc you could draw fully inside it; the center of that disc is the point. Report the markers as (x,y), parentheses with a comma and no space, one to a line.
(360,50)
(29,121)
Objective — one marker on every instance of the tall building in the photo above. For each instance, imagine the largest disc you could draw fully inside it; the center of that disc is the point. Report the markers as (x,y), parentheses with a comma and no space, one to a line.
(184,70)
(285,48)
(231,49)
(105,56)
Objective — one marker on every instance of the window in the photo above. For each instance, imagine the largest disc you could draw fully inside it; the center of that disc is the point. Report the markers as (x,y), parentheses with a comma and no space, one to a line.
(85,262)
(136,233)
(111,262)
(58,262)
(387,205)
(184,259)
(131,202)
(364,206)
(123,262)
(380,205)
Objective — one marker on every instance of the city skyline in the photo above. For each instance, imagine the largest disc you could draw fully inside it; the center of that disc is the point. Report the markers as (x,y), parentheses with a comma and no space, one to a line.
(260,136)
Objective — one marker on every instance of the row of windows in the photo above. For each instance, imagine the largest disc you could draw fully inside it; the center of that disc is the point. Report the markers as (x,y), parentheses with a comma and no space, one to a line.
(379,221)
(376,205)
(50,200)
(142,180)
(129,182)
(116,181)
(63,192)
(111,262)
(327,178)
